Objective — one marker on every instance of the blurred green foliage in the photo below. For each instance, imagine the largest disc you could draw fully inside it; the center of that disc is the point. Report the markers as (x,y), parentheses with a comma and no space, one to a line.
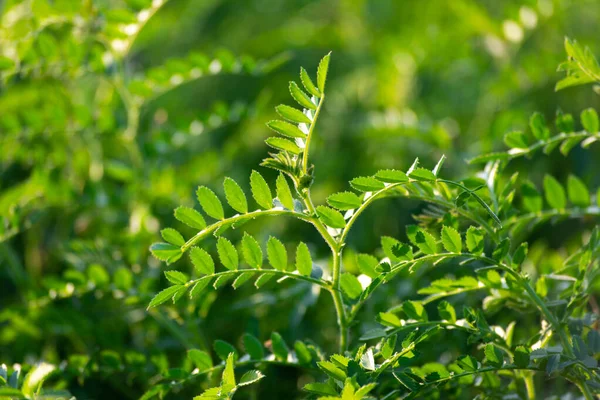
(113,112)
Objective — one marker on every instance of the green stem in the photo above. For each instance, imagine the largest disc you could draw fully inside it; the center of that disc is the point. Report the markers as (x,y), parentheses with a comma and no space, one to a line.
(387,191)
(585,390)
(336,252)
(546,214)
(479,199)
(338,301)
(282,274)
(309,135)
(529,385)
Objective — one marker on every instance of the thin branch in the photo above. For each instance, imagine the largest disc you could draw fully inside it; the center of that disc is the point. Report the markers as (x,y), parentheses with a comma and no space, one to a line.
(241,218)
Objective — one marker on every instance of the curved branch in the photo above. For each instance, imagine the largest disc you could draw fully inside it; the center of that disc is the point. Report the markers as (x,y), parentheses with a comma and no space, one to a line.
(514,153)
(436,257)
(388,191)
(309,135)
(546,214)
(243,363)
(283,274)
(454,376)
(240,218)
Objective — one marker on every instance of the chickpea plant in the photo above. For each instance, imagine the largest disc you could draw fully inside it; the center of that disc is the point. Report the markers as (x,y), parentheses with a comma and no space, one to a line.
(477,222)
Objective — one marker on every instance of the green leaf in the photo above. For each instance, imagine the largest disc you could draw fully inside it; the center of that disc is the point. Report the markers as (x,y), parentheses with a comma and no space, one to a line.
(261,191)
(243,278)
(286,129)
(331,217)
(555,194)
(516,140)
(165,251)
(176,277)
(284,194)
(308,83)
(537,123)
(521,357)
(364,390)
(170,235)
(283,145)
(391,176)
(415,310)
(228,378)
(301,97)
(438,166)
(227,254)
(350,285)
(532,200)
(578,192)
(277,254)
(190,217)
(235,196)
(366,184)
(223,349)
(501,250)
(222,280)
(201,359)
(474,240)
(320,388)
(210,202)
(493,355)
(568,145)
(589,120)
(395,250)
(368,265)
(426,242)
(303,259)
(451,239)
(292,114)
(322,72)
(200,285)
(344,201)
(251,377)
(422,174)
(332,370)
(164,295)
(280,349)
(389,319)
(467,363)
(446,311)
(519,255)
(202,261)
(253,347)
(564,122)
(302,352)
(263,280)
(251,251)
(35,378)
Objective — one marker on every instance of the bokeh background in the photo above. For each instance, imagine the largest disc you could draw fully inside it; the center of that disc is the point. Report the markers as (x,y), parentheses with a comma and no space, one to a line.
(109,120)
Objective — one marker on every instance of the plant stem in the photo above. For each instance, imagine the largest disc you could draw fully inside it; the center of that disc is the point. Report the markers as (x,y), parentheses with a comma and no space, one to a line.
(564,340)
(309,135)
(338,301)
(336,251)
(240,218)
(587,393)
(529,385)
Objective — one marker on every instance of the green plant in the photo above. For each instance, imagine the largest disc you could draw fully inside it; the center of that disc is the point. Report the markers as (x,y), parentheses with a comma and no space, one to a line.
(473,226)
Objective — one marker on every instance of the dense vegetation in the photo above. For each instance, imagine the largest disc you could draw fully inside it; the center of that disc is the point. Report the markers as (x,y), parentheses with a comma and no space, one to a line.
(475,276)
